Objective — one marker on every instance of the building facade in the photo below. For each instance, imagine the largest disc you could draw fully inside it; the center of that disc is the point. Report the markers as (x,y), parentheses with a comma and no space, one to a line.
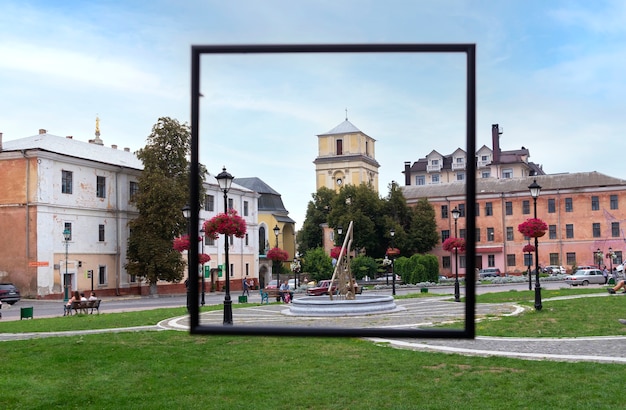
(584,212)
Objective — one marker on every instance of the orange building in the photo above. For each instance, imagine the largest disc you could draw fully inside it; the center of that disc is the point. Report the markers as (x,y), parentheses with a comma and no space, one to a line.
(584,212)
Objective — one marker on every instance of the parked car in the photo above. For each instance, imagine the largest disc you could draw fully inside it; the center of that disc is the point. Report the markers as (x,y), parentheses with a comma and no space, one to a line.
(9,293)
(323,286)
(554,269)
(584,277)
(273,284)
(489,273)
(584,267)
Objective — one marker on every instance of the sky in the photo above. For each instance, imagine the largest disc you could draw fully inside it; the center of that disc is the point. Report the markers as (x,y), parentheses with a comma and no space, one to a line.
(552,74)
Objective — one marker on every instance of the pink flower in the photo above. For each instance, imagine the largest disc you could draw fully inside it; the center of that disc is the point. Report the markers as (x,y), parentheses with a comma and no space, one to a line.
(334,252)
(225,223)
(533,228)
(203,258)
(181,244)
(528,248)
(392,252)
(451,244)
(277,254)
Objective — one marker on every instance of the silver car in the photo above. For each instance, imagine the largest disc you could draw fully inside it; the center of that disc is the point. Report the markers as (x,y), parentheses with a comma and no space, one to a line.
(584,277)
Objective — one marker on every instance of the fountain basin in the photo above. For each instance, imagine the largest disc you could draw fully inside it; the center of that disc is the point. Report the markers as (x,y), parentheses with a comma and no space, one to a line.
(323,306)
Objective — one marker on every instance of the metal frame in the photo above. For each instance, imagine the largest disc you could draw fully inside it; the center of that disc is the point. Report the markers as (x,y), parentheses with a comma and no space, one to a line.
(470,197)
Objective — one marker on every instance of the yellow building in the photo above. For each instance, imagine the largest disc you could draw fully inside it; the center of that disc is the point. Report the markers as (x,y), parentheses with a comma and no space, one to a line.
(346,155)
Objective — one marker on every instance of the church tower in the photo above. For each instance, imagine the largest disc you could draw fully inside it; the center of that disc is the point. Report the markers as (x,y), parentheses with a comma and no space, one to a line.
(346,155)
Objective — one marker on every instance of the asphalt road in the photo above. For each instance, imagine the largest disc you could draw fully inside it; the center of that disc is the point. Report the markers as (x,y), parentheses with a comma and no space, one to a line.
(48,308)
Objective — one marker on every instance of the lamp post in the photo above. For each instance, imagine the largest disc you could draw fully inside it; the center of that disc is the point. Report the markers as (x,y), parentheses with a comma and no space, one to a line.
(339,232)
(187,214)
(274,264)
(457,292)
(225,180)
(202,266)
(530,276)
(392,232)
(599,258)
(67,234)
(535,189)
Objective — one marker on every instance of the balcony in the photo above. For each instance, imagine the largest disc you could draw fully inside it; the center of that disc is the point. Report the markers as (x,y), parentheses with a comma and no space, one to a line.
(483,164)
(458,166)
(433,168)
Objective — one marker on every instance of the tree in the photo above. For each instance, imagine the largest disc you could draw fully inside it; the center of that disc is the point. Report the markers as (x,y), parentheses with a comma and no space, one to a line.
(362,266)
(423,230)
(317,264)
(311,234)
(163,191)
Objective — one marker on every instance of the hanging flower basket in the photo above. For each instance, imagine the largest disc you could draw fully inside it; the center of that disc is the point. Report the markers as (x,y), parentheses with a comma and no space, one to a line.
(203,258)
(451,244)
(528,248)
(533,228)
(225,223)
(181,243)
(334,252)
(392,252)
(277,254)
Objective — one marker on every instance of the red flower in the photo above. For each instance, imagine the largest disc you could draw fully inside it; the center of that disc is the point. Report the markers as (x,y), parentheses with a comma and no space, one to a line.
(277,254)
(533,228)
(225,223)
(392,252)
(334,252)
(181,244)
(203,258)
(451,244)
(528,248)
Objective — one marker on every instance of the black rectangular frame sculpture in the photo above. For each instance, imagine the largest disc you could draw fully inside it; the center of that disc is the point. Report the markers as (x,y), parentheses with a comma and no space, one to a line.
(470,191)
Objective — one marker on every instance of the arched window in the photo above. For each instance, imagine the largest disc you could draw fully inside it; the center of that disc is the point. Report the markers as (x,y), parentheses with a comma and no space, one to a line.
(262,241)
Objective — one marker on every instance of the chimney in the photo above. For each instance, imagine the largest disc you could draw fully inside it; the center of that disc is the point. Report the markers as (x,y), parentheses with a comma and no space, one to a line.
(407,173)
(114,146)
(70,137)
(42,131)
(495,143)
(127,149)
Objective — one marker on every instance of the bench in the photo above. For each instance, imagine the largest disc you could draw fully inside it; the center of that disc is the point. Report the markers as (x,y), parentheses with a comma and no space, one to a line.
(273,293)
(84,306)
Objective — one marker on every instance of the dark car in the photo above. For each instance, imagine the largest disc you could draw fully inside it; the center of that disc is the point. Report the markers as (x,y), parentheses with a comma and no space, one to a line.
(9,293)
(322,288)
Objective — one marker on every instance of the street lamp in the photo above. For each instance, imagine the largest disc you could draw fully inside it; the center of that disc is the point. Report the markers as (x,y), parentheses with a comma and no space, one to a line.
(392,232)
(535,189)
(599,258)
(611,261)
(339,232)
(67,234)
(225,180)
(274,264)
(457,292)
(530,263)
(202,266)
(187,214)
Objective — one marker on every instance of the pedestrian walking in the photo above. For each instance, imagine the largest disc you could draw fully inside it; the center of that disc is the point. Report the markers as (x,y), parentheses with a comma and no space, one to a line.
(246,287)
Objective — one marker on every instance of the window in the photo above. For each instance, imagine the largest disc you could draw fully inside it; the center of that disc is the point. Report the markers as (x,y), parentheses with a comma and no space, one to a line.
(245,208)
(569,205)
(133,190)
(445,234)
(246,240)
(528,259)
(101,186)
(462,233)
(420,180)
(554,259)
(231,239)
(209,203)
(596,230)
(485,174)
(510,259)
(444,211)
(569,231)
(477,207)
(508,208)
(66,182)
(570,258)
(507,173)
(460,176)
(509,233)
(490,234)
(262,241)
(477,234)
(102,275)
(551,206)
(434,178)
(68,227)
(491,261)
(461,208)
(232,269)
(339,145)
(615,229)
(247,269)
(488,209)
(132,278)
(208,241)
(101,233)
(552,231)
(230,203)
(445,262)
(434,162)
(618,257)
(484,158)
(595,203)
(525,207)
(614,202)
(462,261)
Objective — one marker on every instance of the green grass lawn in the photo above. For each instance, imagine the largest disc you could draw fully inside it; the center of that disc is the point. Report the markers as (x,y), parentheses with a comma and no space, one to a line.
(174,370)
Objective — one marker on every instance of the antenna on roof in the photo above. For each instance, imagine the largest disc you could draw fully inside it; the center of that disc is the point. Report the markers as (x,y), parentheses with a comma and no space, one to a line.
(346,113)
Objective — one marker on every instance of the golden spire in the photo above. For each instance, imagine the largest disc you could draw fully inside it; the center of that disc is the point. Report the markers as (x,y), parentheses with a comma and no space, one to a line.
(97,126)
